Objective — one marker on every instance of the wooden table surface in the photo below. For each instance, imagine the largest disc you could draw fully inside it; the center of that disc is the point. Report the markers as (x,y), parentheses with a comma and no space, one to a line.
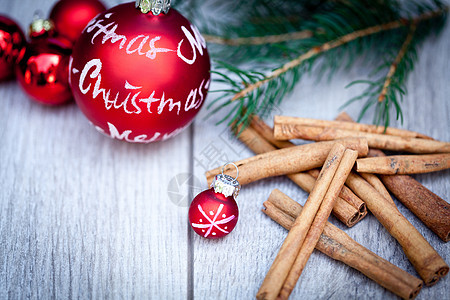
(84,216)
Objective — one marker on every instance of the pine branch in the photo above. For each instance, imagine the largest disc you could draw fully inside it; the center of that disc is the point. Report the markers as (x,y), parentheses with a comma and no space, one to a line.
(387,92)
(341,32)
(334,44)
(258,40)
(396,62)
(261,28)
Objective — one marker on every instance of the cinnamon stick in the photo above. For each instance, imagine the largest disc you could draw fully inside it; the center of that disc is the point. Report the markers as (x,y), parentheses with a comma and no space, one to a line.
(344,117)
(254,141)
(427,262)
(267,133)
(371,178)
(286,161)
(378,185)
(404,164)
(347,125)
(345,208)
(282,264)
(379,141)
(432,210)
(375,153)
(348,195)
(349,208)
(336,244)
(316,229)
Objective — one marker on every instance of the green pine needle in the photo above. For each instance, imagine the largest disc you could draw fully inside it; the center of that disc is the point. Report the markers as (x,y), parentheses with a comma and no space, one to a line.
(324,35)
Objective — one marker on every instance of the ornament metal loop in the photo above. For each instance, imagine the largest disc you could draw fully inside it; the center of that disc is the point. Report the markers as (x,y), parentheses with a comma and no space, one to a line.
(155,6)
(225,184)
(38,14)
(237,169)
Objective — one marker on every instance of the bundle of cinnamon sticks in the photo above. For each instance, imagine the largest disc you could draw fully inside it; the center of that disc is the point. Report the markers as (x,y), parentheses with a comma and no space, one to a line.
(348,155)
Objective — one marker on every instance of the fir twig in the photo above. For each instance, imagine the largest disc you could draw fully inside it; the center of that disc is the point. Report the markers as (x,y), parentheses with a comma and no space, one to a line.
(258,40)
(387,92)
(396,62)
(341,31)
(334,44)
(261,28)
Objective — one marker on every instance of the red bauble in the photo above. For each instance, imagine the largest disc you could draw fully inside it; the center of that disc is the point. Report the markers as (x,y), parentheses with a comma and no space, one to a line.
(140,77)
(213,215)
(71,16)
(42,70)
(11,42)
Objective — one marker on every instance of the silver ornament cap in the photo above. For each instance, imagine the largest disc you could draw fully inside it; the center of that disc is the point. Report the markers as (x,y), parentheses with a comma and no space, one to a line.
(40,25)
(225,184)
(154,6)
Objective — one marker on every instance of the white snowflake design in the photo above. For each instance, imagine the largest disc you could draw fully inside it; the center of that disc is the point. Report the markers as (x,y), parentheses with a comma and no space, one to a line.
(213,222)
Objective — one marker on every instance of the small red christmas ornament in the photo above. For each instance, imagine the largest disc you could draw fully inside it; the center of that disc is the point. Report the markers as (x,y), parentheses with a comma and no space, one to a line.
(11,42)
(43,65)
(71,16)
(140,74)
(214,213)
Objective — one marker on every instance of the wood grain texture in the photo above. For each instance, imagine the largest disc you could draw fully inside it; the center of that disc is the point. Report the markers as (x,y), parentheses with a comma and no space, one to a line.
(82,216)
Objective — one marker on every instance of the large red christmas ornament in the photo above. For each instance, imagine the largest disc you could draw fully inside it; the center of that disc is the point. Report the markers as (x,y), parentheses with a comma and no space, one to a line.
(214,213)
(11,42)
(71,16)
(43,66)
(140,77)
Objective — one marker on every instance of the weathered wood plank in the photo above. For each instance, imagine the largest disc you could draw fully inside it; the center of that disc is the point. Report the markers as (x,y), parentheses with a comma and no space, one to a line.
(81,215)
(84,216)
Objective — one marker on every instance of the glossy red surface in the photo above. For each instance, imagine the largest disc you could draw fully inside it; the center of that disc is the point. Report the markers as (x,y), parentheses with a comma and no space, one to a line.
(139,77)
(11,42)
(42,71)
(212,215)
(71,16)
(41,32)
